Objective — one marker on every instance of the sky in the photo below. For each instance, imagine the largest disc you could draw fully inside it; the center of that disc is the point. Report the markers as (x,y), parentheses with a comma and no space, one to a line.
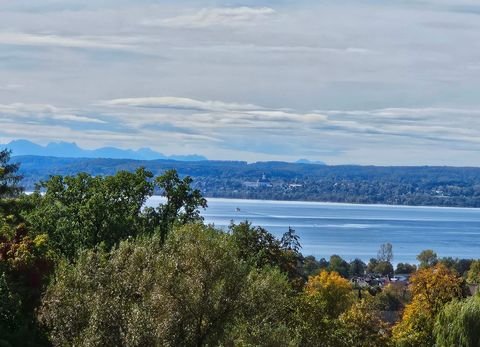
(346,82)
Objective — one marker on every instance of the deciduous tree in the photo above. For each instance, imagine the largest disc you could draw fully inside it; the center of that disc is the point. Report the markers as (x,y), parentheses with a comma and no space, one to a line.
(259,247)
(80,212)
(339,265)
(385,253)
(427,258)
(458,324)
(332,290)
(473,275)
(431,288)
(361,326)
(183,202)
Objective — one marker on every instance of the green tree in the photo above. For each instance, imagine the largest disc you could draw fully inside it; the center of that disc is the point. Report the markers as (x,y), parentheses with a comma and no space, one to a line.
(311,266)
(357,267)
(380,267)
(183,202)
(79,212)
(461,266)
(183,293)
(384,268)
(193,290)
(458,324)
(372,264)
(473,275)
(405,268)
(427,258)
(390,298)
(9,177)
(261,248)
(290,241)
(339,265)
(264,317)
(10,314)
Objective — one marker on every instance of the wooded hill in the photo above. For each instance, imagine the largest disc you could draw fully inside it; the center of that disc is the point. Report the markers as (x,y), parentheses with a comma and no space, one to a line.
(432,186)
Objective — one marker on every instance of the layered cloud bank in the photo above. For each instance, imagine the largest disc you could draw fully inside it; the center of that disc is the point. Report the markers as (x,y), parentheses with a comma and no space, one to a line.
(344,82)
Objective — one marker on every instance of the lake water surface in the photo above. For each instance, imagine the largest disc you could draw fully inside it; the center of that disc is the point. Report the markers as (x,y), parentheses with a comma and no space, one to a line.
(353,231)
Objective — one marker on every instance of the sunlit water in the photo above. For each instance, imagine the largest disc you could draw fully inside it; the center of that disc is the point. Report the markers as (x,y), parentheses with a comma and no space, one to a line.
(353,231)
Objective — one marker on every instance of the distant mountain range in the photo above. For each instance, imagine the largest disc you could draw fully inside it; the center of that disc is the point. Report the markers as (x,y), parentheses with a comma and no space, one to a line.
(72,150)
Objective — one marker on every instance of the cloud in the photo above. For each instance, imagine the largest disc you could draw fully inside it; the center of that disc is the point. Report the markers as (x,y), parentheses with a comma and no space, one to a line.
(220,129)
(198,114)
(87,42)
(35,112)
(269,80)
(209,17)
(272,49)
(180,103)
(435,125)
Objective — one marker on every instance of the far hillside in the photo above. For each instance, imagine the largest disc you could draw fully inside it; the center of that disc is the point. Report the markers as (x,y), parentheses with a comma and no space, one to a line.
(430,186)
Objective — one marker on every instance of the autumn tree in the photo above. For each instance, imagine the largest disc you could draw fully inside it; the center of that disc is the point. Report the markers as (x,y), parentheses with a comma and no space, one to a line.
(332,290)
(361,326)
(436,286)
(431,288)
(325,297)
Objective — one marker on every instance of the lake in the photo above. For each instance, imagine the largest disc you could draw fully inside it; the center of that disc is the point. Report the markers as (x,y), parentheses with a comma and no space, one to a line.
(353,231)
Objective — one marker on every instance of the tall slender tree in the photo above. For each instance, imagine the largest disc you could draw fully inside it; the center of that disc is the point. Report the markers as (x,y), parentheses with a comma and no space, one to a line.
(9,177)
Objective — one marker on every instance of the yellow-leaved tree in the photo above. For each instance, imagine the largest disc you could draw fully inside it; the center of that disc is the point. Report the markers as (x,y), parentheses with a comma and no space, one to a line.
(326,296)
(362,326)
(431,289)
(334,291)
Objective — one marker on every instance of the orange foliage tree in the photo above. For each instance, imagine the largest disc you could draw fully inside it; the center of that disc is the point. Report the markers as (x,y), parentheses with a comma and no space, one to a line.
(431,289)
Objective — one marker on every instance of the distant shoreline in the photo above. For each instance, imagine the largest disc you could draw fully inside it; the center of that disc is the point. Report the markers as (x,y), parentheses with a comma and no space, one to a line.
(306,202)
